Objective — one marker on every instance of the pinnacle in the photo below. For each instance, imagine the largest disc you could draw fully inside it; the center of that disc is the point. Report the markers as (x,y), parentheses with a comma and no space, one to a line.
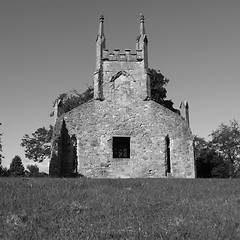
(141,17)
(101,17)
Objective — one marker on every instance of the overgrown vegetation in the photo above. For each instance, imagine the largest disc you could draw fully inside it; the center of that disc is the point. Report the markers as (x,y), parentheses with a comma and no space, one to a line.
(73,99)
(158,84)
(119,209)
(158,89)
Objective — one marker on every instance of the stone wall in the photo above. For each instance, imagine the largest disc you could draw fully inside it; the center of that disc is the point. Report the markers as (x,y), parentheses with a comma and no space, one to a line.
(129,79)
(146,123)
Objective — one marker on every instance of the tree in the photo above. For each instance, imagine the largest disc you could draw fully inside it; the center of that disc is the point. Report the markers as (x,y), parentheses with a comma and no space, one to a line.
(226,141)
(199,145)
(38,146)
(4,172)
(16,167)
(33,170)
(157,84)
(158,91)
(209,163)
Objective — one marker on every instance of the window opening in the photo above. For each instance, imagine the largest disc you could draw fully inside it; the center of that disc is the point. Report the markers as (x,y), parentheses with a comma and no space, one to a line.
(74,149)
(167,155)
(121,147)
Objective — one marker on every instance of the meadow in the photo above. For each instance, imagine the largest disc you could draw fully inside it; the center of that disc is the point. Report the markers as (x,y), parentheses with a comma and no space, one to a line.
(48,208)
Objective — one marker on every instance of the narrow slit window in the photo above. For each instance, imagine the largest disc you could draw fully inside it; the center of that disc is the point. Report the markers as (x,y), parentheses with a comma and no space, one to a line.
(167,155)
(121,147)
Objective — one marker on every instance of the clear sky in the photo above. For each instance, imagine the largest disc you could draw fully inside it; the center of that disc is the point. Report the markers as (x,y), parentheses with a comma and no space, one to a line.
(47,47)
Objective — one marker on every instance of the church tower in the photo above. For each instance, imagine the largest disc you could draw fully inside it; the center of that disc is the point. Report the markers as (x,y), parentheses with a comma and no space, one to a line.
(131,68)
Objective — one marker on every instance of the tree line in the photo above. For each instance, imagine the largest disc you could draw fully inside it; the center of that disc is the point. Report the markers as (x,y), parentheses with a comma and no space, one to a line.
(220,156)
(17,169)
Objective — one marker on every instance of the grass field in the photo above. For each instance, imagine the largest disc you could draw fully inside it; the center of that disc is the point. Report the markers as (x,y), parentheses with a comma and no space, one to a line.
(119,209)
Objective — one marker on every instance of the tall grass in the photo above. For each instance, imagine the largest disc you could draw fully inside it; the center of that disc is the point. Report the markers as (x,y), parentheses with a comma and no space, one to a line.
(119,209)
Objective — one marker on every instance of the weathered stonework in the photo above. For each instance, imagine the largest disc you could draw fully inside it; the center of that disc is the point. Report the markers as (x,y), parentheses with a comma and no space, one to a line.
(122,108)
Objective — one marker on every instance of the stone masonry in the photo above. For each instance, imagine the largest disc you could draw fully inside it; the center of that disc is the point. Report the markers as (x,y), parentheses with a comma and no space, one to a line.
(121,133)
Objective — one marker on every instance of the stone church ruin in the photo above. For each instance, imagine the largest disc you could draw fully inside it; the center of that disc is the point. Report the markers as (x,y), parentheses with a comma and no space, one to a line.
(122,133)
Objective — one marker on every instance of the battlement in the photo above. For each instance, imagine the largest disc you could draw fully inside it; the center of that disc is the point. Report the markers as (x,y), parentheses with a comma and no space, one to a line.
(107,62)
(127,56)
